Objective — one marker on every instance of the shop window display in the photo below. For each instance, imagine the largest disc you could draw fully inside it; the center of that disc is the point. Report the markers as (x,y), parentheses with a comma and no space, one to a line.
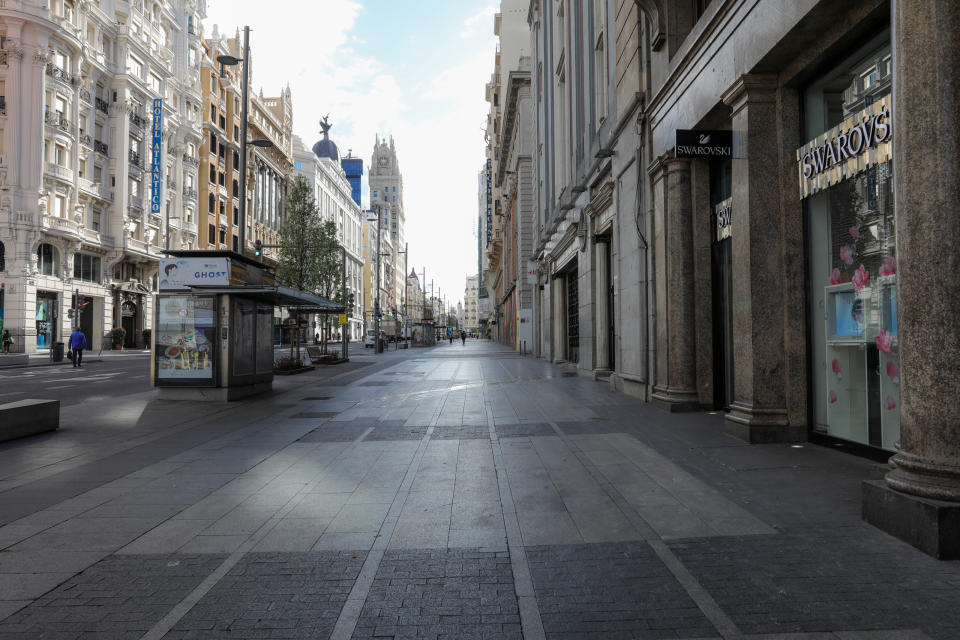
(853,262)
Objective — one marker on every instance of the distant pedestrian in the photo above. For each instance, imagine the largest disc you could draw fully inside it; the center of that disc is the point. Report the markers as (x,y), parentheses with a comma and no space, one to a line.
(7,340)
(463,337)
(450,337)
(78,342)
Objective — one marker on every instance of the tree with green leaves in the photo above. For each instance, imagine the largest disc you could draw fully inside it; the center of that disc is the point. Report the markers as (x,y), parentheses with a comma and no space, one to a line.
(309,257)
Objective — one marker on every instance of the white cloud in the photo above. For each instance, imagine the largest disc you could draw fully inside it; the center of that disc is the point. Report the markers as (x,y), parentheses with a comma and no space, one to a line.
(435,117)
(479,21)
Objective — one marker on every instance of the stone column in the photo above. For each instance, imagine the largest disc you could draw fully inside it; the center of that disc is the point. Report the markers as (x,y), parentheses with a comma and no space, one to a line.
(602,327)
(676,385)
(559,287)
(758,412)
(920,500)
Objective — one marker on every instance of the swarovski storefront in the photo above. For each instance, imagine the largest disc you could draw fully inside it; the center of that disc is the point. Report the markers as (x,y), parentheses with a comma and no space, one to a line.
(846,185)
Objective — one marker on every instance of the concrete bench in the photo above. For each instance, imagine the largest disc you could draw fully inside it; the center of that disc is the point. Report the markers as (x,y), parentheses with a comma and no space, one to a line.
(28,417)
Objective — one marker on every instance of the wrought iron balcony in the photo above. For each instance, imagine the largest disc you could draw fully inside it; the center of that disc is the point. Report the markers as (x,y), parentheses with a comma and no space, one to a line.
(3,105)
(100,147)
(135,159)
(85,139)
(101,105)
(190,194)
(59,74)
(190,160)
(137,121)
(56,119)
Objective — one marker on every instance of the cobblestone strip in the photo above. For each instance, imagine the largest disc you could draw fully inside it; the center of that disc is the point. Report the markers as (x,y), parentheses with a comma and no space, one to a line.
(183,607)
(350,614)
(530,620)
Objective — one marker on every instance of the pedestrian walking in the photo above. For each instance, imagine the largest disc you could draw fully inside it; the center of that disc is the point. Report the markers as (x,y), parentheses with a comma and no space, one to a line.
(463,337)
(7,340)
(78,342)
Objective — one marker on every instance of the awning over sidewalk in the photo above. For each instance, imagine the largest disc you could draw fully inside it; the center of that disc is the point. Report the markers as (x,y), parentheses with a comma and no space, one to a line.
(278,296)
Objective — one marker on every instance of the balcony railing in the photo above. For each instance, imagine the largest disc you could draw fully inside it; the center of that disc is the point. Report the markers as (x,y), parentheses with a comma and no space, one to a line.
(136,202)
(85,139)
(100,147)
(156,221)
(85,95)
(135,159)
(190,160)
(171,184)
(137,121)
(56,119)
(63,173)
(190,194)
(58,74)
(101,105)
(3,58)
(3,105)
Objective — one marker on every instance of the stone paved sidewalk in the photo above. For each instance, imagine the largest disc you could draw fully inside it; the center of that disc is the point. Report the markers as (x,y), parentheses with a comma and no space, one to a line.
(452,492)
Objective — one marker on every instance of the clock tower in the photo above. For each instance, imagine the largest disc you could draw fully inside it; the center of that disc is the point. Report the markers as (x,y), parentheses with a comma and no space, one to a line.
(386,197)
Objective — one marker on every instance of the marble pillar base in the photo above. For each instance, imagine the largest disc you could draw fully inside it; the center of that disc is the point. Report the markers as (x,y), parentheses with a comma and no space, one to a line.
(933,526)
(676,400)
(761,425)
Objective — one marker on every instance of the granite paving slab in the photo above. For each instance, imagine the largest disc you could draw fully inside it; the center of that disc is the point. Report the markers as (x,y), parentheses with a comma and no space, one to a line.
(119,597)
(274,595)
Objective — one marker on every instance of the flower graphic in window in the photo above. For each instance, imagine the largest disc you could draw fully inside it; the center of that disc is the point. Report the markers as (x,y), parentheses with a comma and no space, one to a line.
(861,278)
(835,276)
(838,369)
(854,232)
(833,397)
(893,371)
(884,341)
(891,403)
(889,266)
(846,254)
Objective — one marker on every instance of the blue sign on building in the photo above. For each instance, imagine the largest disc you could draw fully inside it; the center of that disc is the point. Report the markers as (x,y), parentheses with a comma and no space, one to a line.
(155,172)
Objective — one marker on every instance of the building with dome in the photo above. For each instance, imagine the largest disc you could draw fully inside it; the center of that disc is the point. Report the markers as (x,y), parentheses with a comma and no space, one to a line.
(333,194)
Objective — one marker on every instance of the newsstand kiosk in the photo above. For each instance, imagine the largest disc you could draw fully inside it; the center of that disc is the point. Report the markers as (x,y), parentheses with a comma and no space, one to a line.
(213,325)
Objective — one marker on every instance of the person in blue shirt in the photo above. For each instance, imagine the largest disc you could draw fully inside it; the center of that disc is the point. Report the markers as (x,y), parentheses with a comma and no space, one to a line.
(78,342)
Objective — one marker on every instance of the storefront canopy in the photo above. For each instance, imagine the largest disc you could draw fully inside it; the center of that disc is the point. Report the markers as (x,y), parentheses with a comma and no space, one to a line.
(278,296)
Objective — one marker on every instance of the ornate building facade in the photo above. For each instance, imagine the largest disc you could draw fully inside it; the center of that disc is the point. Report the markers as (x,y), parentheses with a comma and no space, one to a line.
(386,198)
(86,204)
(332,192)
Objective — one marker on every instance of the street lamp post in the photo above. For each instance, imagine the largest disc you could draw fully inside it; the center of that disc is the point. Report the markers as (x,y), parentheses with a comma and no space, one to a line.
(228,60)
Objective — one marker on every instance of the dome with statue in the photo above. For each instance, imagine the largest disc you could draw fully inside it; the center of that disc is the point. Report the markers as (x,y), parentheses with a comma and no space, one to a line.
(326,148)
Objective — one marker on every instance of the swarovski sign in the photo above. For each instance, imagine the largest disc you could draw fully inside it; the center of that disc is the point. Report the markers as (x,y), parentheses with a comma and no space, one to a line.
(857,143)
(700,144)
(848,143)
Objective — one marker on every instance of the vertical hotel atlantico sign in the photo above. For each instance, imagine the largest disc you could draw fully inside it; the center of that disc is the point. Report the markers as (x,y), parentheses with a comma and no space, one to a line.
(155,174)
(489,199)
(854,145)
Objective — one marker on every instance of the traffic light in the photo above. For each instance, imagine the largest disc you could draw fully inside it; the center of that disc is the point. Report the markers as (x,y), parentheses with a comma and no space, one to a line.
(258,248)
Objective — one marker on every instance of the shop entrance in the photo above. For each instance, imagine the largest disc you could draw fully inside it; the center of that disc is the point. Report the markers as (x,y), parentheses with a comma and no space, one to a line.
(46,319)
(573,317)
(128,320)
(721,253)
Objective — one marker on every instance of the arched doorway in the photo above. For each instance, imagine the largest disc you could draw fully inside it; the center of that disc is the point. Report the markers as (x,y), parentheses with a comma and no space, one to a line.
(128,320)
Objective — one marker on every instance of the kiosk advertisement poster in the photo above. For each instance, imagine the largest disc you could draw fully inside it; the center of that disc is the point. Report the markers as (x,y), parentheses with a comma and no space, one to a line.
(185,338)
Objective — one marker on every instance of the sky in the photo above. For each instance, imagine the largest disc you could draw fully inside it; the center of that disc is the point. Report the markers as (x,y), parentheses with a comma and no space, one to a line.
(413,69)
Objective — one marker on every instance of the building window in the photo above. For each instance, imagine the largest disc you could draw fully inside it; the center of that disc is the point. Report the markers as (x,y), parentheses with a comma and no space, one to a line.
(46,259)
(212,235)
(86,267)
(3,265)
(849,212)
(213,203)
